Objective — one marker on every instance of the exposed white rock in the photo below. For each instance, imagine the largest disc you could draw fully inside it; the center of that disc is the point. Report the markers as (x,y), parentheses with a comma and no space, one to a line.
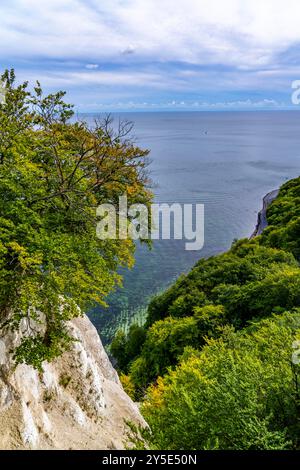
(30,433)
(47,427)
(77,402)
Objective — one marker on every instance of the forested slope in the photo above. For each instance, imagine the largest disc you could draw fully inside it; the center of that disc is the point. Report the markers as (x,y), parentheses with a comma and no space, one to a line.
(214,365)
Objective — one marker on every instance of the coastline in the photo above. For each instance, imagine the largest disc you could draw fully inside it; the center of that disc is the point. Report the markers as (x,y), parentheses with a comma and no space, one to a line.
(262,222)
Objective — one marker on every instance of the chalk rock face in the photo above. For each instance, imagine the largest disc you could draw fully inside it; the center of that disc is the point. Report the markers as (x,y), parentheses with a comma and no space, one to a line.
(77,402)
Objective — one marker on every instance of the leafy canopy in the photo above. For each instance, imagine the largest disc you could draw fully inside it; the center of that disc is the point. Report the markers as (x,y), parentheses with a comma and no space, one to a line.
(54,172)
(241,392)
(248,282)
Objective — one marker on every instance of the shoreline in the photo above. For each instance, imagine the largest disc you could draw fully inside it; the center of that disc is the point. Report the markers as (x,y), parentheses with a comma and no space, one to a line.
(262,222)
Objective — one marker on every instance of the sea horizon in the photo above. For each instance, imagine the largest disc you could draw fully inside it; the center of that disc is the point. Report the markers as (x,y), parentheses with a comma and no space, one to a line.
(226,160)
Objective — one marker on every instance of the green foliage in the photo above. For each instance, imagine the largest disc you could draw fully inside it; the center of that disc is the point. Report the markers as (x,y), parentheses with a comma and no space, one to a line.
(34,350)
(128,385)
(118,349)
(210,320)
(239,392)
(165,341)
(135,340)
(53,174)
(250,281)
(247,262)
(220,369)
(125,348)
(284,219)
(139,374)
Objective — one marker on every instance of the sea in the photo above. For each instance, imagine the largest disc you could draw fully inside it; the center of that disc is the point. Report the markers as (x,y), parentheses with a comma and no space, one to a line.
(226,161)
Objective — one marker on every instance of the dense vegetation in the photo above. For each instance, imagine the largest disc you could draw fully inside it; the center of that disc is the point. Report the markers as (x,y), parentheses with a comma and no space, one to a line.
(239,392)
(54,172)
(217,364)
(215,369)
(284,220)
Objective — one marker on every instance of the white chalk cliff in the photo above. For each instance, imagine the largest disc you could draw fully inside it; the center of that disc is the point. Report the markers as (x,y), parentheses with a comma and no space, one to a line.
(77,402)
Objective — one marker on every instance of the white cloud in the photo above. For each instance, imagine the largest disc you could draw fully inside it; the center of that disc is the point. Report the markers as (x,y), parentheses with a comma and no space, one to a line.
(245,33)
(138,48)
(182,105)
(91,66)
(120,78)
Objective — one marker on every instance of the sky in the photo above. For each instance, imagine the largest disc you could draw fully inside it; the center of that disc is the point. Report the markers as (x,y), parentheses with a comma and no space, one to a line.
(149,55)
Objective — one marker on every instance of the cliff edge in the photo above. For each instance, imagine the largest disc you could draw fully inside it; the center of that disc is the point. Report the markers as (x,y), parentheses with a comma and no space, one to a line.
(262,222)
(77,402)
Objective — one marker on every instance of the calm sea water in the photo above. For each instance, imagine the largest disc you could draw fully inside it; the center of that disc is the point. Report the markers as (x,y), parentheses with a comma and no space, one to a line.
(226,161)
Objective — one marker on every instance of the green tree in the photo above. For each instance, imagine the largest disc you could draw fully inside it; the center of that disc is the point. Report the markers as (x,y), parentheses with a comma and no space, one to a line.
(135,340)
(54,172)
(165,342)
(240,393)
(284,219)
(118,350)
(126,348)
(241,390)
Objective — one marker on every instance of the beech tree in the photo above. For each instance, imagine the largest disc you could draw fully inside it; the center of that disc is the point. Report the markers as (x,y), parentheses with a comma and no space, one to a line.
(240,392)
(54,172)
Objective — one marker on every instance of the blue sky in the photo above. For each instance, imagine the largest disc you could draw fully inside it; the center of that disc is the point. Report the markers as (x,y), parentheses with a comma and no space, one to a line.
(132,55)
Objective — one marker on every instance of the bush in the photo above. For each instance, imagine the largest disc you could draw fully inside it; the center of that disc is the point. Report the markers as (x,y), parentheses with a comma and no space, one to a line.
(240,393)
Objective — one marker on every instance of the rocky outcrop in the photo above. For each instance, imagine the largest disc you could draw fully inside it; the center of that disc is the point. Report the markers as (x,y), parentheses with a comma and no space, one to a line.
(77,402)
(262,222)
